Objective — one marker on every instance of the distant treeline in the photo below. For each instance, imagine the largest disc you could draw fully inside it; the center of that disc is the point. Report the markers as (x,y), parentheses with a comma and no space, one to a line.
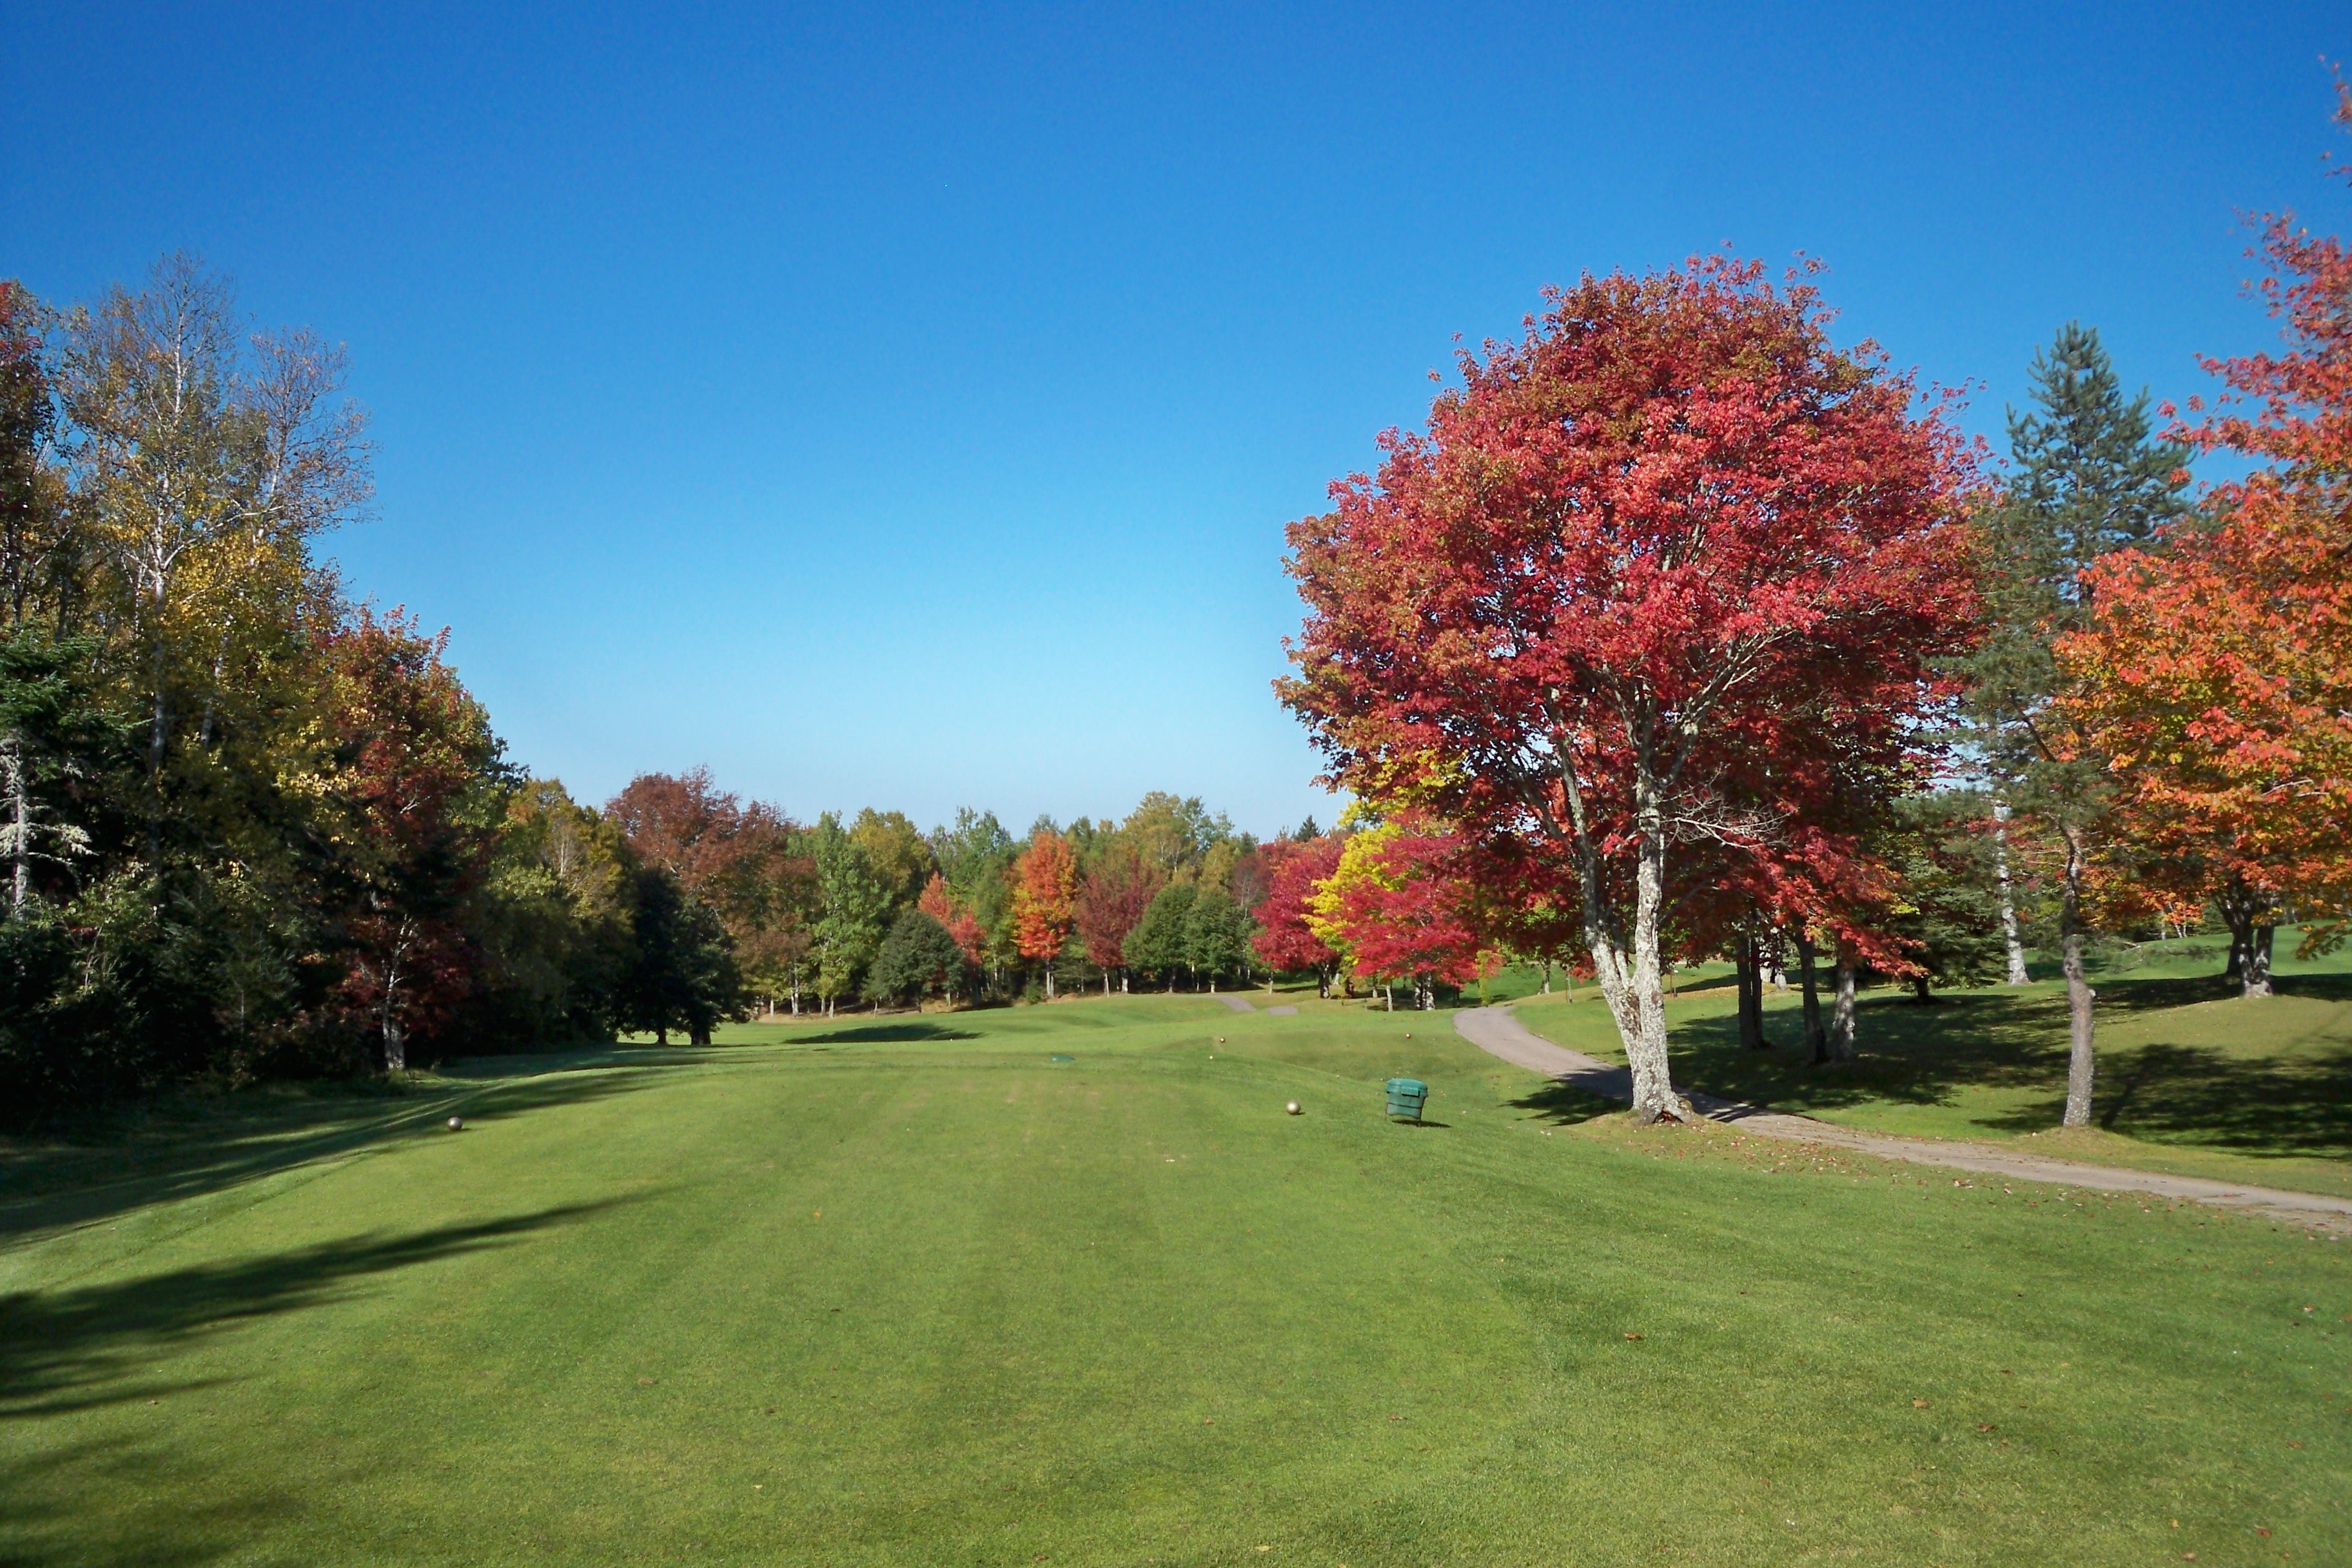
(252,827)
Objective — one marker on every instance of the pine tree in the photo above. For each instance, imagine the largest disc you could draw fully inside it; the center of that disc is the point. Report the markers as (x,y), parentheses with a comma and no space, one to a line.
(2088,480)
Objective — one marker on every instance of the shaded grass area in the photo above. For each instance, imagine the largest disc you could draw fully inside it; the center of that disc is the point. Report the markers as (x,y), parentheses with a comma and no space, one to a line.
(2191,1076)
(949,1301)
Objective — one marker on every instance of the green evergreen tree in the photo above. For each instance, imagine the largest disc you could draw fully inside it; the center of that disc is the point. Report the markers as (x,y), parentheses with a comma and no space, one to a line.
(917,959)
(1156,945)
(2087,479)
(1950,908)
(1215,935)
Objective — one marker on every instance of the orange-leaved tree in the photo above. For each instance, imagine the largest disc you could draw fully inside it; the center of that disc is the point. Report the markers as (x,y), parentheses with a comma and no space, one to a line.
(2217,673)
(939,902)
(1044,888)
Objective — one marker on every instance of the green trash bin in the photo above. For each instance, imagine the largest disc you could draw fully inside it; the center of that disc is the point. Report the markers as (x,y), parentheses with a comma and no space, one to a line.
(1407,1096)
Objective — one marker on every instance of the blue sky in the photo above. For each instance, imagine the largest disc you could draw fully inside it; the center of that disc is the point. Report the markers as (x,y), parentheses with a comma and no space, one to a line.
(903,407)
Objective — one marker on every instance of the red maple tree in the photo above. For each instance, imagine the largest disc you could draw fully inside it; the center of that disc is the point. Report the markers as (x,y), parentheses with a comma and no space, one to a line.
(410,747)
(1283,941)
(1110,902)
(734,856)
(1656,575)
(1410,909)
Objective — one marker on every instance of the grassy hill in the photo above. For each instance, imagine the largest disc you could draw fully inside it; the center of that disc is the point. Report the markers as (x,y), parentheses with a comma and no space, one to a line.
(916,1291)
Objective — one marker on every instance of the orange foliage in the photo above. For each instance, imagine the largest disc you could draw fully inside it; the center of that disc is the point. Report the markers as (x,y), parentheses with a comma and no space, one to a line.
(2218,671)
(1045,892)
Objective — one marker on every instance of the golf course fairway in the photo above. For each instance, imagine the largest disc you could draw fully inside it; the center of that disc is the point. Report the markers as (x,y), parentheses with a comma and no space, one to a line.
(911,1291)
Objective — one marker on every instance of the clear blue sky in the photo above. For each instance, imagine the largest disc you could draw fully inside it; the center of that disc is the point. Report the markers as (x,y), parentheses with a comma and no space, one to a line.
(903,407)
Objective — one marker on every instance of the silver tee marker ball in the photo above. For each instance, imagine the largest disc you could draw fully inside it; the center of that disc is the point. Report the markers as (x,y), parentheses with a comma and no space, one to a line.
(457,1125)
(1292,1108)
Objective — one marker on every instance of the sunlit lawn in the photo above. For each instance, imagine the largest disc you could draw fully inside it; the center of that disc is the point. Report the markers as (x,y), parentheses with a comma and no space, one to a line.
(910,1290)
(2192,1078)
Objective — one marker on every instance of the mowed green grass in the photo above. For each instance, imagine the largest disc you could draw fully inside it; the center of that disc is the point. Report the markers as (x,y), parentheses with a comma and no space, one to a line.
(911,1291)
(2192,1078)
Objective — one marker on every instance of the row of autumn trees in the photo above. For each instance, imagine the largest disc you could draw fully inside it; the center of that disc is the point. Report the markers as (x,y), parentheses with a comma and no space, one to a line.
(1680,629)
(248,826)
(873,910)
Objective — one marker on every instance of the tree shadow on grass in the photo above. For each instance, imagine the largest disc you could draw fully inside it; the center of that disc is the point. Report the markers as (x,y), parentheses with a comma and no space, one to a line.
(2192,1094)
(2017,1042)
(41,1501)
(170,1149)
(1564,1105)
(885,1034)
(83,1346)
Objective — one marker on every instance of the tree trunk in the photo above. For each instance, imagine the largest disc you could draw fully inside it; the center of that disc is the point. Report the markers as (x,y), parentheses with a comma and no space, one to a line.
(1817,1040)
(697,1035)
(1645,1049)
(158,729)
(2257,976)
(1840,1041)
(2081,1064)
(395,1045)
(2017,974)
(1049,980)
(1749,966)
(1629,979)
(21,880)
(1919,990)
(2251,917)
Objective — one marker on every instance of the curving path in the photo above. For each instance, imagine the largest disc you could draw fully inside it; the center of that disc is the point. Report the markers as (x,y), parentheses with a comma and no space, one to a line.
(1495,1031)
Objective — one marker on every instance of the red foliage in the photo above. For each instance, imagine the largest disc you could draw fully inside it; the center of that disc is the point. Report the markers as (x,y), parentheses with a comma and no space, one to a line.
(1283,941)
(1661,582)
(734,857)
(1416,913)
(1109,903)
(942,906)
(410,746)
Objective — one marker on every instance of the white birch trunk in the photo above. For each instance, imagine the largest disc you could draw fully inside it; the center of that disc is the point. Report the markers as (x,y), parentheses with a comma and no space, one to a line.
(2017,974)
(21,844)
